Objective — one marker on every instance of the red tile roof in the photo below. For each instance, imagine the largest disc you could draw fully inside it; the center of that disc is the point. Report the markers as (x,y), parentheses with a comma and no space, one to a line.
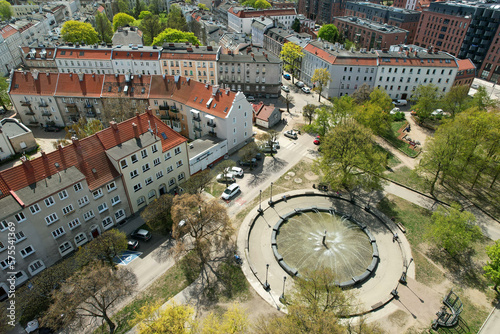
(193,94)
(356,61)
(114,86)
(320,53)
(137,55)
(23,83)
(100,9)
(465,64)
(49,56)
(188,56)
(70,85)
(265,112)
(7,31)
(26,26)
(83,54)
(265,12)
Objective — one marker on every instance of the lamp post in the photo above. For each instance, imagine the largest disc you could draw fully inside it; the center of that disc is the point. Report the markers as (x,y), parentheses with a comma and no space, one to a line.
(260,202)
(271,197)
(266,285)
(283,294)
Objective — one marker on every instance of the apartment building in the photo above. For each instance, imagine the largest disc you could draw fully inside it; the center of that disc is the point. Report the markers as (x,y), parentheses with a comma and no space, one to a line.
(490,66)
(84,60)
(63,199)
(13,40)
(253,71)
(6,60)
(406,19)
(137,60)
(191,61)
(321,11)
(466,73)
(239,19)
(41,59)
(370,34)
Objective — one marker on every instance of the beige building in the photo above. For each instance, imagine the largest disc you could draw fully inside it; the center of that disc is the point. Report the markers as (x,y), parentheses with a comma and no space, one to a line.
(16,136)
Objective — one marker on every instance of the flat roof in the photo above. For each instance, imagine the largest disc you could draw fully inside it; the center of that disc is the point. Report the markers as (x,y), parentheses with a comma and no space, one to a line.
(202,144)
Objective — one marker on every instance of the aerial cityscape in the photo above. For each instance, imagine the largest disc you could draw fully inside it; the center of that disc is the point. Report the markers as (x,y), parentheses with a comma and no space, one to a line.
(288,166)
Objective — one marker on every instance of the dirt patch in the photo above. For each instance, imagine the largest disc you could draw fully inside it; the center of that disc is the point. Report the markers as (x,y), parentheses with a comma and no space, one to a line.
(311,176)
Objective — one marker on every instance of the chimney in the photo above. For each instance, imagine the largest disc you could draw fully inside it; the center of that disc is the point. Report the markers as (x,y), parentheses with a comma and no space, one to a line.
(35,74)
(265,55)
(253,55)
(149,111)
(113,125)
(26,162)
(44,156)
(75,141)
(137,114)
(80,76)
(215,89)
(136,131)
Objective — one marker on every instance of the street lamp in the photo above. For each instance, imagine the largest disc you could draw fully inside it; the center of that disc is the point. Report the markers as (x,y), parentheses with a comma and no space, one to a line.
(260,201)
(266,285)
(271,198)
(283,294)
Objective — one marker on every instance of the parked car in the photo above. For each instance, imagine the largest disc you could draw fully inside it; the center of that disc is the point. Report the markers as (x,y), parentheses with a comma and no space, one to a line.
(258,156)
(287,76)
(306,90)
(394,111)
(475,86)
(268,149)
(226,178)
(141,234)
(52,129)
(317,140)
(291,134)
(133,245)
(437,112)
(299,84)
(285,89)
(236,171)
(248,163)
(400,102)
(250,98)
(230,191)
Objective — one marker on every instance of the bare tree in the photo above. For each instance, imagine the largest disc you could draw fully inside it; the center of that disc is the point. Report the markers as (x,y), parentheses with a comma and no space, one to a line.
(198,182)
(157,214)
(288,99)
(248,151)
(269,138)
(121,109)
(308,112)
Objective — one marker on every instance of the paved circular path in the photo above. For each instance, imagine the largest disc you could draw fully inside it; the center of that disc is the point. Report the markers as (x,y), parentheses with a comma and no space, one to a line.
(254,242)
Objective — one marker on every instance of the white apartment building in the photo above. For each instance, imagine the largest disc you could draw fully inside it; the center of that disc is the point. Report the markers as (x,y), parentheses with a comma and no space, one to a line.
(13,39)
(239,19)
(6,60)
(73,59)
(135,60)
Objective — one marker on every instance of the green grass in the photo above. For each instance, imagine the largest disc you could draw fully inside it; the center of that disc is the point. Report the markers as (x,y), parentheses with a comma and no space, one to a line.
(392,160)
(408,177)
(216,188)
(164,288)
(425,271)
(403,146)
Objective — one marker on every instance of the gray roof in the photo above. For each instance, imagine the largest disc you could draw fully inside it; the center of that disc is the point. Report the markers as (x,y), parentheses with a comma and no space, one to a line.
(381,28)
(133,145)
(202,144)
(12,127)
(182,48)
(244,57)
(50,185)
(9,207)
(126,36)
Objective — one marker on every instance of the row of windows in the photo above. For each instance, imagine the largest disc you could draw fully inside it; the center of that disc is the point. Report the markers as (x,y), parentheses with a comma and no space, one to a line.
(199,64)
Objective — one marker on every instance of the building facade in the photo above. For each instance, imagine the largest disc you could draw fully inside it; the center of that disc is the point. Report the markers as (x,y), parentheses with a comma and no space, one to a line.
(466,73)
(240,19)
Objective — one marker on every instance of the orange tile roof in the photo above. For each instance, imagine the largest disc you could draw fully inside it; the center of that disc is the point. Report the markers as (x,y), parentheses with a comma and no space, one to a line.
(465,64)
(110,137)
(7,31)
(114,85)
(266,12)
(23,83)
(320,53)
(100,9)
(137,55)
(265,112)
(84,54)
(70,85)
(193,94)
(356,61)
(188,56)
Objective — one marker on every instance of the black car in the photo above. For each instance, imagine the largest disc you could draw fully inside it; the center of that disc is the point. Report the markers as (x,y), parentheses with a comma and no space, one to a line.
(52,129)
(133,245)
(248,163)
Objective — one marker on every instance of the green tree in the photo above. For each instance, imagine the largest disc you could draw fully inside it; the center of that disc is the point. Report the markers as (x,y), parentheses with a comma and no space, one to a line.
(121,20)
(308,112)
(320,78)
(120,6)
(139,7)
(79,32)
(261,4)
(202,6)
(381,99)
(103,27)
(233,321)
(291,54)
(175,36)
(456,100)
(362,94)
(151,27)
(453,229)
(329,33)
(144,14)
(175,18)
(109,245)
(175,319)
(5,10)
(155,6)
(374,113)
(269,138)
(482,99)
(350,159)
(157,214)
(83,128)
(492,267)
(427,98)
(4,96)
(296,25)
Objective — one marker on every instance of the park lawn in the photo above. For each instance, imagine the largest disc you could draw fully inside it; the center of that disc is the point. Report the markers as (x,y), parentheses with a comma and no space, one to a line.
(408,177)
(392,139)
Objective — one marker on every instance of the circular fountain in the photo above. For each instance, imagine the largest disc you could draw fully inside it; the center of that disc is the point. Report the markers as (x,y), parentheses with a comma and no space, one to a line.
(320,237)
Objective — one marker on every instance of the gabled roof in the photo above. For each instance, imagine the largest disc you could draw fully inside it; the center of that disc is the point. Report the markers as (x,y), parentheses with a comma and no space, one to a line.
(265,112)
(70,85)
(320,53)
(136,55)
(465,64)
(8,31)
(83,54)
(49,52)
(24,83)
(246,13)
(138,85)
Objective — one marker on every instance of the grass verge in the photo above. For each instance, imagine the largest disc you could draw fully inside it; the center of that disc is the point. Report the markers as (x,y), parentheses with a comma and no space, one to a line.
(409,178)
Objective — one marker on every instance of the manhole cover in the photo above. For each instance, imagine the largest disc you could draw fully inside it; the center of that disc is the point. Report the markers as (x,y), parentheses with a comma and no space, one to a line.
(298,180)
(292,174)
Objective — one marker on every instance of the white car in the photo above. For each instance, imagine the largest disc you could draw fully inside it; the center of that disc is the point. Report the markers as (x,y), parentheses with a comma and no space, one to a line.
(306,90)
(236,171)
(230,191)
(394,111)
(285,89)
(291,134)
(400,102)
(299,84)
(437,112)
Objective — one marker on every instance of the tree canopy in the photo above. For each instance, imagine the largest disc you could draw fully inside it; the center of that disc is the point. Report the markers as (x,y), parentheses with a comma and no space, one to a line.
(170,35)
(84,128)
(291,54)
(329,33)
(103,27)
(321,77)
(426,99)
(5,10)
(79,32)
(296,25)
(121,20)
(157,214)
(151,26)
(492,267)
(175,18)
(374,113)
(4,96)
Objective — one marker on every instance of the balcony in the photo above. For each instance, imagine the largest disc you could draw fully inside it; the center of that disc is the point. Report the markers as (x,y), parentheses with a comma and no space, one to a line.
(166,116)
(196,118)
(212,133)
(197,128)
(89,105)
(46,113)
(33,123)
(25,103)
(174,109)
(30,113)
(43,104)
(70,104)
(164,107)
(91,114)
(211,124)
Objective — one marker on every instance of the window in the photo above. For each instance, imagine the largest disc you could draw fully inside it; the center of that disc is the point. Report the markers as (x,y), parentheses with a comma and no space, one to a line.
(119,215)
(177,150)
(154,148)
(19,236)
(80,239)
(115,200)
(4,225)
(68,209)
(180,176)
(83,201)
(65,248)
(167,156)
(107,223)
(59,232)
(27,251)
(77,187)
(34,209)
(171,182)
(2,247)
(74,223)
(49,201)
(134,173)
(179,163)
(156,161)
(170,169)
(141,200)
(134,158)
(102,207)
(98,193)
(137,187)
(20,217)
(145,167)
(7,262)
(51,218)
(88,215)
(159,174)
(35,267)
(144,154)
(111,186)
(63,194)
(123,164)
(151,194)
